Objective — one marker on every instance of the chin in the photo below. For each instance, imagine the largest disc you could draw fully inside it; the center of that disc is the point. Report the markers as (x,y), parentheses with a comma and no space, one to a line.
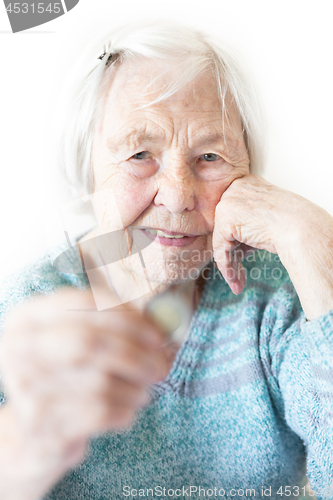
(167,265)
(169,272)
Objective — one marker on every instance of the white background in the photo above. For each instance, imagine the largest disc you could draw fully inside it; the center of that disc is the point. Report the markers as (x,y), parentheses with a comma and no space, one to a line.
(288,47)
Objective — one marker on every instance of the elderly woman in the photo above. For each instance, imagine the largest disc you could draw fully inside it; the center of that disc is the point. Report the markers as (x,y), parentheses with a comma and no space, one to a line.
(98,402)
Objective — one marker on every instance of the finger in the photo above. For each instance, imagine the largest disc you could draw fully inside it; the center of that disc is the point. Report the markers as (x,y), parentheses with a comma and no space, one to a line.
(118,418)
(85,405)
(103,407)
(75,342)
(74,453)
(123,393)
(234,274)
(42,312)
(132,324)
(107,410)
(243,251)
(84,420)
(122,357)
(228,256)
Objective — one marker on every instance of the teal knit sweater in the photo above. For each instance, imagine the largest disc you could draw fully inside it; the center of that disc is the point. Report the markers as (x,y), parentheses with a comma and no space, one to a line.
(245,411)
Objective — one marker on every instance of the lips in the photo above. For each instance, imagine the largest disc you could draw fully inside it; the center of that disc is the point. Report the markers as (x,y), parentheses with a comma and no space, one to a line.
(174,233)
(169,238)
(159,231)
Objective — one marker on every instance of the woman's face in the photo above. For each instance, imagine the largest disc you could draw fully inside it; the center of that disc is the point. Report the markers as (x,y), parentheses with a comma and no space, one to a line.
(165,167)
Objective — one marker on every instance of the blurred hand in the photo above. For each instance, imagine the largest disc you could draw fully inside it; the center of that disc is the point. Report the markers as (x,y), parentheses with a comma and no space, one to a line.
(70,374)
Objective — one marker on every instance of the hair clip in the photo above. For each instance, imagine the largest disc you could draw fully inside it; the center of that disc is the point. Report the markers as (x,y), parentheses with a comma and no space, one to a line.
(109,59)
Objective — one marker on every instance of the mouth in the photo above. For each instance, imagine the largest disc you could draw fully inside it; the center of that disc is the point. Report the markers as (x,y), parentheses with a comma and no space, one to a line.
(169,238)
(168,234)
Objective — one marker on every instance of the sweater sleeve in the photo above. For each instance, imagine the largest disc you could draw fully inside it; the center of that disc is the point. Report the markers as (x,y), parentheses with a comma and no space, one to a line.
(302,364)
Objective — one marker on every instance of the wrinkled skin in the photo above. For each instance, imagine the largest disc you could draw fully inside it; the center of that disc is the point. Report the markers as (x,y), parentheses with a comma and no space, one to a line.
(258,214)
(69,375)
(177,165)
(153,164)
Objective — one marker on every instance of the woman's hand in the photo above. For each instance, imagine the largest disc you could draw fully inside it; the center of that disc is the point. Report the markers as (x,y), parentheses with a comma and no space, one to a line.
(254,214)
(68,375)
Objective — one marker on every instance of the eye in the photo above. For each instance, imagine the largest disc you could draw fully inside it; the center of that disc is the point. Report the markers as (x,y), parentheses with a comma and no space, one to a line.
(143,155)
(211,157)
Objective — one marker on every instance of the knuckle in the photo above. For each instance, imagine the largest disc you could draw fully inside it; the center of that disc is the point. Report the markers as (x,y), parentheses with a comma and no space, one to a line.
(128,354)
(123,392)
(75,452)
(138,366)
(125,359)
(112,384)
(229,227)
(144,397)
(137,397)
(118,417)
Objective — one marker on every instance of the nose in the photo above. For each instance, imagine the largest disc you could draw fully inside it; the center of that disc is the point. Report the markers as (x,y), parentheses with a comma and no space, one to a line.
(176,188)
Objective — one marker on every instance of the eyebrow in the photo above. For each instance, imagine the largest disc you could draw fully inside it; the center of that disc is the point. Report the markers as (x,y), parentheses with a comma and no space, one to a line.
(217,137)
(143,135)
(137,135)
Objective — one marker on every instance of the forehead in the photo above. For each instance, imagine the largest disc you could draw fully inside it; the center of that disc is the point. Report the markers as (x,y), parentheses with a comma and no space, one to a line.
(138,82)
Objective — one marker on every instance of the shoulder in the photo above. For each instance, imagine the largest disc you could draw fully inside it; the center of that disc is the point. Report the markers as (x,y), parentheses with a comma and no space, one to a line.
(57,268)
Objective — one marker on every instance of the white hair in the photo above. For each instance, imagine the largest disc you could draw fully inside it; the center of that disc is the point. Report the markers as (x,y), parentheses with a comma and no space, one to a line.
(192,50)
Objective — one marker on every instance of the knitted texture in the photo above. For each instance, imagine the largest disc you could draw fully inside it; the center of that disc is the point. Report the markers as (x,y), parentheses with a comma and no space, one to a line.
(245,411)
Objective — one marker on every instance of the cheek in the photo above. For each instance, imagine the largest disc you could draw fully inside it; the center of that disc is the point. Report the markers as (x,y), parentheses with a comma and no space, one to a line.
(210,196)
(133,198)
(120,197)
